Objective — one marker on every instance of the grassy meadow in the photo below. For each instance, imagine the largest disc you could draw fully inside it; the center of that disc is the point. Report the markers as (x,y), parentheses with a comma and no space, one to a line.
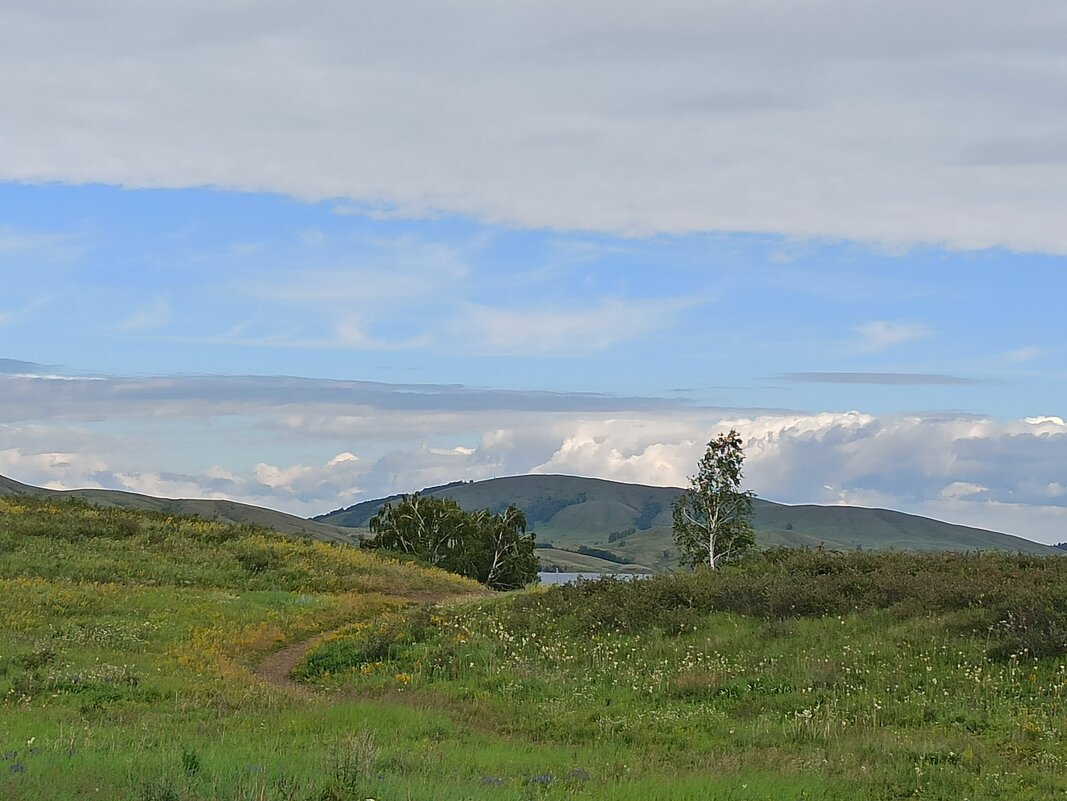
(131,646)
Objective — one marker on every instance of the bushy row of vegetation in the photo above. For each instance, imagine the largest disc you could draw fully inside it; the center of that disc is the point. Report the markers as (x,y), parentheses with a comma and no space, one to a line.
(1018,601)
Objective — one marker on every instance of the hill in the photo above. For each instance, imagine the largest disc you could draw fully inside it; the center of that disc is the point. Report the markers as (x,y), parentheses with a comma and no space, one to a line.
(630,524)
(128,621)
(216,510)
(151,657)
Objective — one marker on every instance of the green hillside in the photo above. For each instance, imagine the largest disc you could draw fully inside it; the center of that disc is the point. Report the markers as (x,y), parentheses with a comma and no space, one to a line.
(148,656)
(131,643)
(632,522)
(220,511)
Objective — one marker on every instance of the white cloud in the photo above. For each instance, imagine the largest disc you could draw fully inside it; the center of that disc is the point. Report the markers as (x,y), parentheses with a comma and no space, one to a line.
(342,458)
(46,247)
(564,330)
(1023,355)
(881,334)
(48,468)
(310,446)
(275,478)
(952,468)
(962,490)
(1046,422)
(890,121)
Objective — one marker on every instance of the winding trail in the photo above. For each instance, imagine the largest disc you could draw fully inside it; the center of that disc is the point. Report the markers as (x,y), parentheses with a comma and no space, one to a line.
(274,669)
(277,666)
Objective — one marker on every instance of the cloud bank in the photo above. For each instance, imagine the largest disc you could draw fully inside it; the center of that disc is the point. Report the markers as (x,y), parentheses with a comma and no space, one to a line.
(336,443)
(891,122)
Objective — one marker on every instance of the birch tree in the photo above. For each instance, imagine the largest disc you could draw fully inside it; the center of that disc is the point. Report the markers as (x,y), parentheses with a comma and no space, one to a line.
(713,517)
(424,527)
(511,563)
(491,548)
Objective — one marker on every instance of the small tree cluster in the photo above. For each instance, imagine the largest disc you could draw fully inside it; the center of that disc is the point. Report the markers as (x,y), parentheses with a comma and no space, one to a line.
(491,548)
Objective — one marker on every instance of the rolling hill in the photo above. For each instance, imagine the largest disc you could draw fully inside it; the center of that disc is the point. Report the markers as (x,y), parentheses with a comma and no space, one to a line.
(222,511)
(600,525)
(591,524)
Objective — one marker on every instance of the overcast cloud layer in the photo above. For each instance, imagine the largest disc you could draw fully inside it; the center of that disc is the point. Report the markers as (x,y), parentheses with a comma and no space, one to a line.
(335,443)
(896,122)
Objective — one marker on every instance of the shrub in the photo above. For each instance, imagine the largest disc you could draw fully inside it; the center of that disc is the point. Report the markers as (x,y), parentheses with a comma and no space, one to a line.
(257,557)
(1023,598)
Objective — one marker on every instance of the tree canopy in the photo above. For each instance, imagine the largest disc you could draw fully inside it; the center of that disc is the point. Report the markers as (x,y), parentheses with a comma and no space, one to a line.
(491,548)
(713,517)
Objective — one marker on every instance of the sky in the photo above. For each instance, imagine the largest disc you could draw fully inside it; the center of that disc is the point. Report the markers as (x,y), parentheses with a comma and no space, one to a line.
(303,255)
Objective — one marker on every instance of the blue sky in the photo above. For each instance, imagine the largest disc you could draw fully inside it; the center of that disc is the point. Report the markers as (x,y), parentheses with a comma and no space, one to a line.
(305,261)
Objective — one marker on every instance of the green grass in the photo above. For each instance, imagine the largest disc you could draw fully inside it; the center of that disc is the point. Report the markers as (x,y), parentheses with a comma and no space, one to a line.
(128,642)
(832,677)
(128,646)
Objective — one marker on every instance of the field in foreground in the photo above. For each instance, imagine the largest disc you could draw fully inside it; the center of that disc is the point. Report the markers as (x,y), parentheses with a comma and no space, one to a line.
(129,644)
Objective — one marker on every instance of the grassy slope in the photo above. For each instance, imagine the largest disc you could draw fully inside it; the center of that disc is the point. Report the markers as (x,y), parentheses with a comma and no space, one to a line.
(128,640)
(127,643)
(568,511)
(222,511)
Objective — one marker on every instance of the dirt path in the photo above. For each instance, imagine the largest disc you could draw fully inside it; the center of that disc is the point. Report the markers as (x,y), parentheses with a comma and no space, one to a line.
(276,667)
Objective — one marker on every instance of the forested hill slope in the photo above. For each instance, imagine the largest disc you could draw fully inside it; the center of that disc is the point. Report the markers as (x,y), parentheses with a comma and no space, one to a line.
(632,522)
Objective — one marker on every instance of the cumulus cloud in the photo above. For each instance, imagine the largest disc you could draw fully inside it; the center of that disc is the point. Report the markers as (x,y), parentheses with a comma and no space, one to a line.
(954,468)
(310,446)
(51,468)
(904,123)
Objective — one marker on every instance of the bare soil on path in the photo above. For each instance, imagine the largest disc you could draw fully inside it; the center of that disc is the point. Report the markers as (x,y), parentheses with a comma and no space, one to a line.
(275,668)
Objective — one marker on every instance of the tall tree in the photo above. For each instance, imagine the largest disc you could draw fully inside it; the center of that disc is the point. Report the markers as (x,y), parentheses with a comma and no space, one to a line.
(713,517)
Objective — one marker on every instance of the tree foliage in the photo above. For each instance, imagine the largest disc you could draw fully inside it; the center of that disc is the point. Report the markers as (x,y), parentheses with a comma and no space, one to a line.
(713,517)
(491,548)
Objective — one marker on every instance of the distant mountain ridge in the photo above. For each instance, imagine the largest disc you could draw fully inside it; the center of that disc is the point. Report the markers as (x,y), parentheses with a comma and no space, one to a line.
(225,511)
(596,524)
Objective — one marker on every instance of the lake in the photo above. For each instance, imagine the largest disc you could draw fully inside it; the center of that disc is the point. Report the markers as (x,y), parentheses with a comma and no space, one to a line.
(570,578)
